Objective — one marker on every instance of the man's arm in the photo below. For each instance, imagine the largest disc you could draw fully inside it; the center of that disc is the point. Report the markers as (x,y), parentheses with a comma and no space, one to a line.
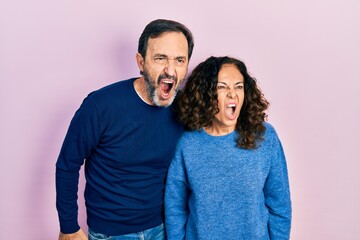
(83,136)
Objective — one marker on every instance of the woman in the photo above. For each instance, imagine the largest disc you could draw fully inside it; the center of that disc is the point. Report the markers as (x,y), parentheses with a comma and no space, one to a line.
(228,179)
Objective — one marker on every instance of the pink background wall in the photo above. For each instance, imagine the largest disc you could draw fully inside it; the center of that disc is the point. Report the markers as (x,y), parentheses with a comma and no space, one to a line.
(305,55)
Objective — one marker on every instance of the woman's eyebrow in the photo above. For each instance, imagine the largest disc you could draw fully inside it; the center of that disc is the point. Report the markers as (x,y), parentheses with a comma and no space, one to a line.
(222,83)
(240,82)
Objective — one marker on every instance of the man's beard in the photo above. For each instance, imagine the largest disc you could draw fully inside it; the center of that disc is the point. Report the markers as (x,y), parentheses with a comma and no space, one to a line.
(153,91)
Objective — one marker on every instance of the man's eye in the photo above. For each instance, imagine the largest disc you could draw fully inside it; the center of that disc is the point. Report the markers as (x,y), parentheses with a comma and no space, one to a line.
(159,59)
(221,87)
(181,60)
(239,87)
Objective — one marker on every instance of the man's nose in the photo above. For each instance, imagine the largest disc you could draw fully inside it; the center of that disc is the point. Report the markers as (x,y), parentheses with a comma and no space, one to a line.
(170,67)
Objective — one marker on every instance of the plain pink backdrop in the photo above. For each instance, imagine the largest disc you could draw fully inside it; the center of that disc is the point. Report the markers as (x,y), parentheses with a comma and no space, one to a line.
(305,55)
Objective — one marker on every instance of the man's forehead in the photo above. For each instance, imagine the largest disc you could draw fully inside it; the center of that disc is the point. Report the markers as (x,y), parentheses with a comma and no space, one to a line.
(170,44)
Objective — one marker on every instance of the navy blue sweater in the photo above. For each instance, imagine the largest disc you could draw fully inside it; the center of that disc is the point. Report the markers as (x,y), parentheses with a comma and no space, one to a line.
(127,146)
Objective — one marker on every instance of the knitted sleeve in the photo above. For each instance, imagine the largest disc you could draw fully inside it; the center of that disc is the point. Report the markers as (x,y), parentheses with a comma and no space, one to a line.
(176,199)
(82,136)
(277,194)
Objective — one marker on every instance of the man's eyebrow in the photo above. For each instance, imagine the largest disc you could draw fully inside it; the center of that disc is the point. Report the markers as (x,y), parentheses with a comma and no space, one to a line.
(160,55)
(164,55)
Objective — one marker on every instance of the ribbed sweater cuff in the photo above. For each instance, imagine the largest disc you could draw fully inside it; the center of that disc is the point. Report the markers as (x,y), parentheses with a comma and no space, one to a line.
(67,227)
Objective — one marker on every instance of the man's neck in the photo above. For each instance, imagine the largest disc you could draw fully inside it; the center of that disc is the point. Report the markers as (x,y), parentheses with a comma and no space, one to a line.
(140,89)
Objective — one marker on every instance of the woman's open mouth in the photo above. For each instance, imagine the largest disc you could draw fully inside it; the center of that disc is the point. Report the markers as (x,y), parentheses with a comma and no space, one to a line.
(230,111)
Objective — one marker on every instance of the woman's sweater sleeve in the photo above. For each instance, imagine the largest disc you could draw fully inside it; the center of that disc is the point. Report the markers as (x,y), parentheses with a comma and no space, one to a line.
(176,199)
(277,194)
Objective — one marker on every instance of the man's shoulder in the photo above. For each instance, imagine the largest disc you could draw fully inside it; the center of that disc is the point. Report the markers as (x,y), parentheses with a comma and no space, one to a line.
(122,85)
(110,94)
(118,89)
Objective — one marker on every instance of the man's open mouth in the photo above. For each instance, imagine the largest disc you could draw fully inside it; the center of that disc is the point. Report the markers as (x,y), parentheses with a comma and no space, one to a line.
(166,85)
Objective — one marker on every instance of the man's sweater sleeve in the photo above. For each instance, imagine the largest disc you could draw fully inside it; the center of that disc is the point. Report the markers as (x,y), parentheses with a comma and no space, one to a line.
(176,199)
(82,136)
(277,194)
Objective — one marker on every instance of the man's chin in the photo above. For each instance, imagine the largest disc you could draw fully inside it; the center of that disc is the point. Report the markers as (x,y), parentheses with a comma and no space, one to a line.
(164,102)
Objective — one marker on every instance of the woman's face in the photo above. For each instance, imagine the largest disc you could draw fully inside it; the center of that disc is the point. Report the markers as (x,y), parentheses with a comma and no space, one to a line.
(230,90)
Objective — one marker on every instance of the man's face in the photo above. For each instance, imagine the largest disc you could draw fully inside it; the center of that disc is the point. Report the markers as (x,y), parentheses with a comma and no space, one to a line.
(165,67)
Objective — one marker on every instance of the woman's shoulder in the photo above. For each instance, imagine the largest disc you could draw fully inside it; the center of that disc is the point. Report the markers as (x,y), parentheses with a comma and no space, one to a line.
(269,127)
(190,137)
(270,131)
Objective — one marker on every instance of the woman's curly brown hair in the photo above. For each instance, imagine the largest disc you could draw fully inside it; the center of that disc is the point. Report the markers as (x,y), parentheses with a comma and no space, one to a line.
(197,103)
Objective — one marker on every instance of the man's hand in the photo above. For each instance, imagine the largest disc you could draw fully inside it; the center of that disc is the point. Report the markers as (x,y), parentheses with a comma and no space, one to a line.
(79,235)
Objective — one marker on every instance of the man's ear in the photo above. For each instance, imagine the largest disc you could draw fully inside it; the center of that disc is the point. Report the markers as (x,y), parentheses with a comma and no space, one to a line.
(140,61)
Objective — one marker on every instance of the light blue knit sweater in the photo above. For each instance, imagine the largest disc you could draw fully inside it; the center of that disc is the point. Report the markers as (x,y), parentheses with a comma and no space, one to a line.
(216,190)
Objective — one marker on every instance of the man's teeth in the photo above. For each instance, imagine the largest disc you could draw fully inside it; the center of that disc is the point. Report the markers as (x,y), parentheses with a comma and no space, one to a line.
(231,105)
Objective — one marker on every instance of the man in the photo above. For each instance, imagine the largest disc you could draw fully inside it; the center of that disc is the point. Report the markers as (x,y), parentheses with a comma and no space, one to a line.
(126,133)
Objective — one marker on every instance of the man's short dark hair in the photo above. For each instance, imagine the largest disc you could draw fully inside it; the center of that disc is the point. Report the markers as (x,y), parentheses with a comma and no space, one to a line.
(157,27)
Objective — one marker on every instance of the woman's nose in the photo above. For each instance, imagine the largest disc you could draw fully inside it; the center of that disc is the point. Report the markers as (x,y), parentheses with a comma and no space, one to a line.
(231,93)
